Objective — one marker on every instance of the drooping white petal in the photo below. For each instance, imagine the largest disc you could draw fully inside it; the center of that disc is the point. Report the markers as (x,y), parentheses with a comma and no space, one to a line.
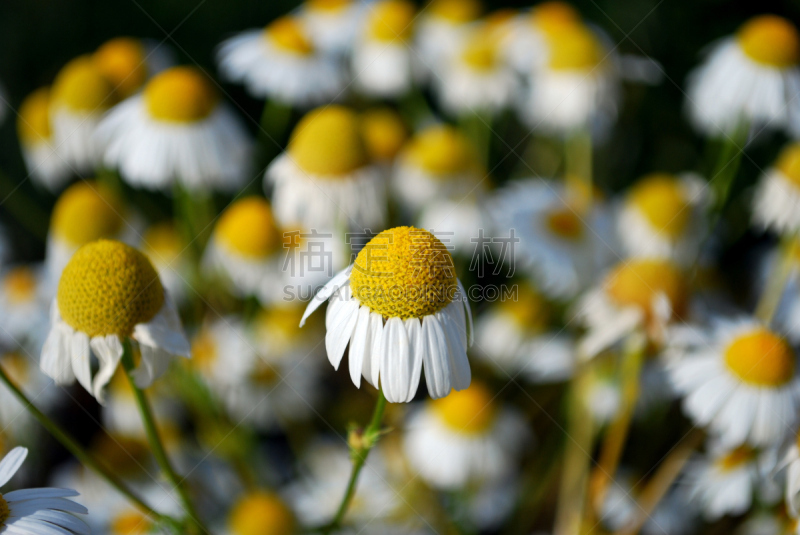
(56,362)
(164,331)
(394,361)
(372,360)
(326,292)
(80,356)
(417,349)
(338,334)
(435,360)
(359,345)
(11,463)
(108,350)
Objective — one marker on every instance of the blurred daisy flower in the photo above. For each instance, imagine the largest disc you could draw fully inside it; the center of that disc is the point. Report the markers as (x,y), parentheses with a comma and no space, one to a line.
(260,512)
(384,132)
(791,461)
(24,294)
(176,130)
(776,202)
(749,79)
(400,308)
(527,47)
(331,23)
(127,63)
(110,292)
(281,63)
(45,166)
(464,437)
(441,30)
(324,179)
(167,250)
(740,381)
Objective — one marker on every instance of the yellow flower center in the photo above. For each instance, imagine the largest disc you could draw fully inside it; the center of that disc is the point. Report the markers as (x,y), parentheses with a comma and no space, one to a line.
(550,17)
(529,310)
(130,522)
(4,511)
(384,133)
(441,150)
(574,47)
(107,288)
(456,11)
(246,227)
(81,87)
(789,163)
(761,358)
(86,212)
(327,142)
(287,34)
(404,272)
(278,325)
(33,122)
(20,285)
(662,200)
(122,62)
(17,367)
(180,95)
(391,20)
(638,282)
(265,374)
(162,243)
(327,5)
(261,513)
(564,223)
(480,52)
(736,458)
(469,411)
(204,351)
(770,40)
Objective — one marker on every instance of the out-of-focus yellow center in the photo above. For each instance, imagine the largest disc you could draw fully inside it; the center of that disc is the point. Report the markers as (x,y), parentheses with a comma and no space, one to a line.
(480,53)
(277,325)
(107,288)
(180,95)
(564,223)
(204,351)
(327,5)
(391,20)
(246,227)
(4,511)
(574,47)
(663,202)
(404,272)
(85,212)
(327,142)
(498,22)
(469,411)
(261,513)
(287,34)
(441,150)
(162,243)
(17,367)
(529,311)
(81,87)
(770,40)
(33,122)
(455,11)
(551,17)
(384,133)
(638,282)
(789,163)
(124,455)
(761,358)
(19,285)
(736,458)
(130,522)
(122,62)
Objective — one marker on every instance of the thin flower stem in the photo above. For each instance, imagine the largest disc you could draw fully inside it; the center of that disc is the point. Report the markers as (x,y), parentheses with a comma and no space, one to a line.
(776,281)
(359,454)
(155,440)
(86,458)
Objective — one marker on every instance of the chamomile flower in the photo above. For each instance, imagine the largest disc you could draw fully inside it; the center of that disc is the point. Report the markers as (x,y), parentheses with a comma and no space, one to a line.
(260,512)
(280,62)
(462,438)
(777,196)
(324,179)
(740,381)
(749,79)
(176,130)
(331,23)
(527,48)
(442,29)
(45,166)
(24,294)
(663,216)
(37,511)
(80,95)
(637,295)
(110,292)
(384,133)
(127,63)
(166,249)
(400,308)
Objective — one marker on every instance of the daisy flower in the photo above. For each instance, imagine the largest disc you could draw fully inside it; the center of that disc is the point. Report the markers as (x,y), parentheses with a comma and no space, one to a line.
(324,179)
(110,292)
(127,63)
(561,248)
(750,78)
(664,216)
(167,250)
(260,512)
(45,166)
(80,96)
(382,59)
(384,132)
(462,438)
(636,295)
(331,23)
(527,48)
(400,308)
(441,30)
(280,62)
(176,130)
(740,381)
(24,294)
(777,196)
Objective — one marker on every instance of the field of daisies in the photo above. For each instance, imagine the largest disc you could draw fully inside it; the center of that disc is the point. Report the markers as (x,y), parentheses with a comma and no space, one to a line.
(378,267)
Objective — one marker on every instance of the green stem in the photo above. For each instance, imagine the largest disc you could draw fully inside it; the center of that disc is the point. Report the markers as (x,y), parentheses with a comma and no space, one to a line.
(578,167)
(275,118)
(478,127)
(155,440)
(727,165)
(359,454)
(776,281)
(81,454)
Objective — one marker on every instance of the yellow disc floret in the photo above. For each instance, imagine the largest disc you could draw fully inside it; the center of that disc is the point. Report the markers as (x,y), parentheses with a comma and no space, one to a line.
(130,522)
(384,133)
(122,61)
(469,411)
(455,11)
(247,228)
(441,150)
(736,458)
(33,121)
(564,223)
(574,47)
(761,358)
(391,20)
(327,142)
(180,95)
(639,282)
(662,200)
(404,272)
(261,513)
(480,53)
(789,163)
(80,86)
(162,243)
(287,34)
(108,288)
(770,40)
(86,212)
(19,285)
(550,17)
